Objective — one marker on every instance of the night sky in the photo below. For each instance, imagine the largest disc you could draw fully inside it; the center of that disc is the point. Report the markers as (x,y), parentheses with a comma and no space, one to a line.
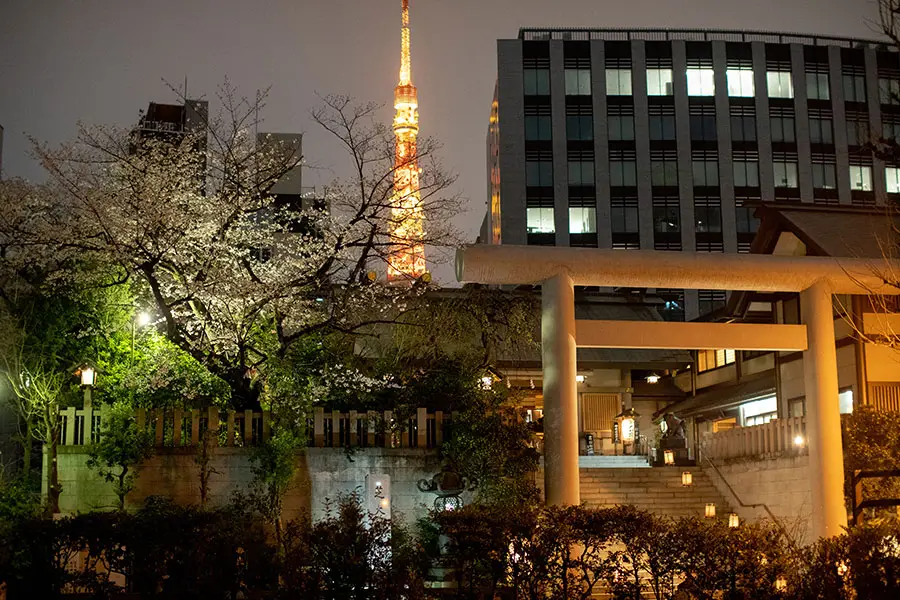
(101,61)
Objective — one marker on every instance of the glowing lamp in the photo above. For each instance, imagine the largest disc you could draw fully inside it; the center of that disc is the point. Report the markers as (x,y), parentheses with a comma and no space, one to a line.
(88,376)
(653,378)
(626,420)
(487,382)
(842,568)
(669,457)
(710,512)
(143,319)
(781,584)
(579,378)
(799,441)
(687,479)
(734,521)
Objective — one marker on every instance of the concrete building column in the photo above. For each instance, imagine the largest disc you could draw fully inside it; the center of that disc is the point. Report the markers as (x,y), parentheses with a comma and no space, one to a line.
(823,419)
(561,481)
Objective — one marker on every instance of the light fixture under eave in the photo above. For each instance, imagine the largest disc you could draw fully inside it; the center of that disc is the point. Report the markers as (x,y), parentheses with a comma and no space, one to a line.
(579,378)
(687,479)
(710,511)
(653,378)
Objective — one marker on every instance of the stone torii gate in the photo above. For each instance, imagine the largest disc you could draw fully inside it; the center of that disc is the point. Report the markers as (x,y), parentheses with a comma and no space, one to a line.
(558,270)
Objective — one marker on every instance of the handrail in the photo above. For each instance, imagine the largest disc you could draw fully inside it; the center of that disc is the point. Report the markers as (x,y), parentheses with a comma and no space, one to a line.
(743,504)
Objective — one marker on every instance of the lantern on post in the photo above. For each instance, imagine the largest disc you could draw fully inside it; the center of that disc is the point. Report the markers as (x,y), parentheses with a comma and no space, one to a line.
(734,521)
(710,512)
(88,376)
(687,479)
(669,457)
(627,426)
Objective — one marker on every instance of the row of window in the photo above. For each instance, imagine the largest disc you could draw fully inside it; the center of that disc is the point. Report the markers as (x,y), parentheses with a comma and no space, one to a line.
(703,128)
(705,173)
(701,82)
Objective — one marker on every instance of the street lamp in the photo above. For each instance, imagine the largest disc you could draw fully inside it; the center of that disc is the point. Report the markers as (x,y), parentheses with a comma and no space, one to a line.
(141,319)
(88,377)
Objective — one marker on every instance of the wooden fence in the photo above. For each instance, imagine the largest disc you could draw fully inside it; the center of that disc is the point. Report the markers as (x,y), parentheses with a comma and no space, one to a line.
(331,429)
(778,437)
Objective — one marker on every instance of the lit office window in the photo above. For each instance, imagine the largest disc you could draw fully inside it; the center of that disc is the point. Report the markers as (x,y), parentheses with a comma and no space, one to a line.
(713,359)
(861,178)
(582,219)
(746,174)
(659,82)
(740,82)
(537,82)
(700,82)
(892,177)
(539,220)
(785,174)
(823,176)
(817,86)
(618,82)
(779,84)
(578,82)
(889,90)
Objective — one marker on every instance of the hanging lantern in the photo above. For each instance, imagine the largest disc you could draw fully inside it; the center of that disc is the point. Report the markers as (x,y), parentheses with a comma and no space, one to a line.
(710,511)
(687,479)
(669,457)
(734,521)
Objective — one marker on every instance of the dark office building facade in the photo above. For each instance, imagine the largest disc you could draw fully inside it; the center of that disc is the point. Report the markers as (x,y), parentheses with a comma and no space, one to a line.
(666,140)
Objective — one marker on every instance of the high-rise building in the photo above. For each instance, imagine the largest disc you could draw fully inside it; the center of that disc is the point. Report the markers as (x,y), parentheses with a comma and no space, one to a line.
(1,150)
(665,139)
(407,258)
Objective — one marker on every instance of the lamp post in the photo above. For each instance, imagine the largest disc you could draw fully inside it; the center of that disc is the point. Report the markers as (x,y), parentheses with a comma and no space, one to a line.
(88,377)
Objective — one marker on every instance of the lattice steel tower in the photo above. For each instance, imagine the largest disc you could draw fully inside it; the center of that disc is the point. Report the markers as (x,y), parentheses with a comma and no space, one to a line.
(407,258)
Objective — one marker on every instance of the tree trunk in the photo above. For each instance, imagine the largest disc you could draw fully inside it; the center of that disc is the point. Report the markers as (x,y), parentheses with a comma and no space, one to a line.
(27,445)
(121,491)
(54,489)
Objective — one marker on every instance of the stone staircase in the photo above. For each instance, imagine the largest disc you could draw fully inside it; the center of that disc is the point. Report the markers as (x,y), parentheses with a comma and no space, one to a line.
(657,490)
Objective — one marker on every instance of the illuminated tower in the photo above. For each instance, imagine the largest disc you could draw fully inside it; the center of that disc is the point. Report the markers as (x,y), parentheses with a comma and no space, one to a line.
(407,259)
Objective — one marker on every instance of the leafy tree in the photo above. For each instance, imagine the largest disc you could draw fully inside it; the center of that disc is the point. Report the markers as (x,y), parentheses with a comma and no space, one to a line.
(121,449)
(872,442)
(274,463)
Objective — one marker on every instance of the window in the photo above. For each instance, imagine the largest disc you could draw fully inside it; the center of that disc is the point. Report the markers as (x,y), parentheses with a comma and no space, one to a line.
(537,127)
(578,82)
(581,173)
(579,127)
(666,219)
(759,412)
(785,174)
(745,221)
(700,82)
(889,90)
(861,178)
(779,84)
(820,131)
(743,128)
(621,127)
(703,127)
(740,82)
(618,82)
(892,176)
(582,219)
(537,82)
(854,88)
(845,402)
(711,300)
(817,86)
(890,127)
(624,219)
(662,127)
(539,220)
(664,172)
(713,359)
(706,172)
(659,82)
(857,129)
(746,174)
(823,176)
(622,173)
(708,219)
(539,173)
(782,129)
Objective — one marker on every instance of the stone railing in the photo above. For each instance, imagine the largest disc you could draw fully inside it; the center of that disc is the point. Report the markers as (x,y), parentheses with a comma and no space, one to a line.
(332,429)
(778,437)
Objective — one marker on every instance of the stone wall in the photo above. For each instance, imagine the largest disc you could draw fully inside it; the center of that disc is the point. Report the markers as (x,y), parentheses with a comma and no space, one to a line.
(782,484)
(322,474)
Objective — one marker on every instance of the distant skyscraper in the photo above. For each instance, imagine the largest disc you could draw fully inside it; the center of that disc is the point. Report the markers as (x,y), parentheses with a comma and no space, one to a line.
(407,259)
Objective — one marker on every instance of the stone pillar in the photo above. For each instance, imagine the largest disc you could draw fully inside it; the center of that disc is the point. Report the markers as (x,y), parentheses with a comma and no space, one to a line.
(561,482)
(823,419)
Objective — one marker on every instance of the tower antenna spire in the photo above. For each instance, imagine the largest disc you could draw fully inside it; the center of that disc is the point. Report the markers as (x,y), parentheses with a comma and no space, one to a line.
(407,232)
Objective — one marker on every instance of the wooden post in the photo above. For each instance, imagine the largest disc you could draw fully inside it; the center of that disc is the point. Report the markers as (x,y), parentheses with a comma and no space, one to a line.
(160,424)
(373,423)
(86,428)
(176,430)
(422,424)
(335,429)
(195,427)
(70,426)
(319,426)
(353,441)
(248,428)
(229,432)
(439,428)
(388,429)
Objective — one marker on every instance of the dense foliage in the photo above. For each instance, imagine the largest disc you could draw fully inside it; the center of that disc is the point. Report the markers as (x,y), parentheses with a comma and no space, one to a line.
(872,442)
